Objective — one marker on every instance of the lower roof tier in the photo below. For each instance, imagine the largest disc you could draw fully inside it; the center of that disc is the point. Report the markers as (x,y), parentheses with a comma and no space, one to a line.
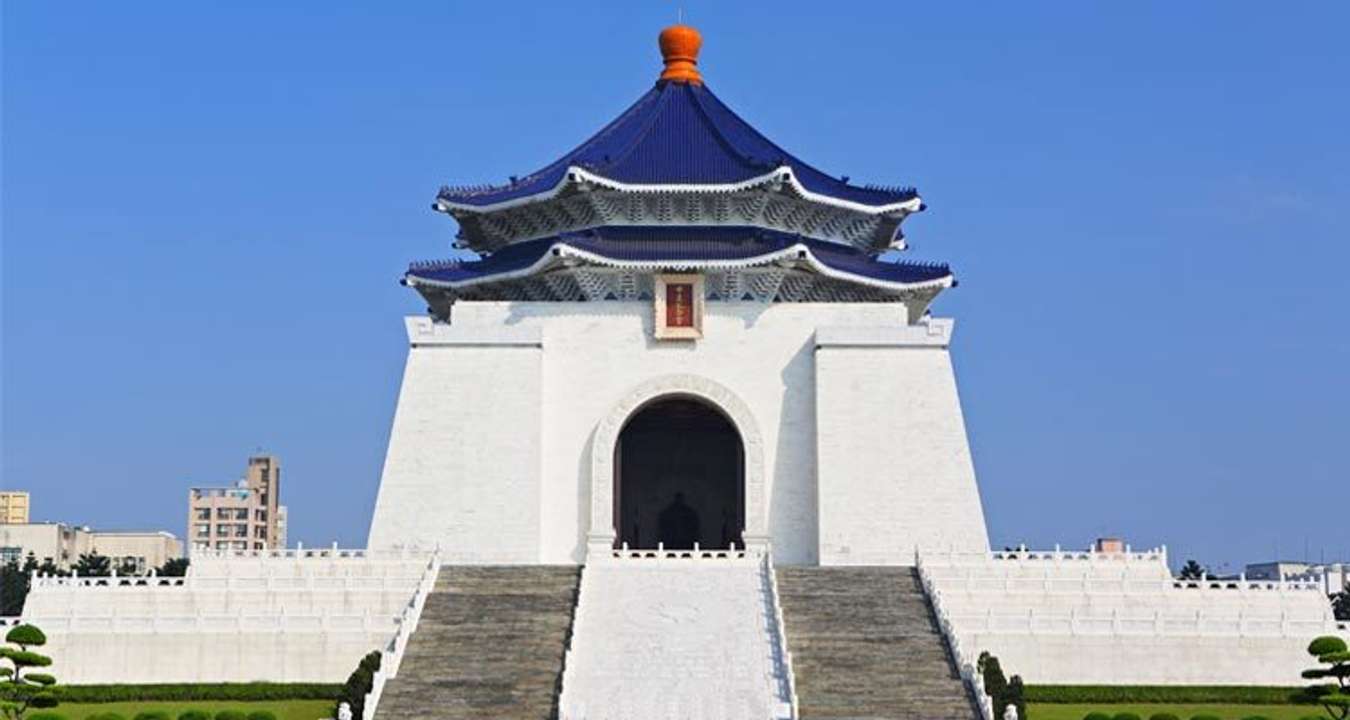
(611,263)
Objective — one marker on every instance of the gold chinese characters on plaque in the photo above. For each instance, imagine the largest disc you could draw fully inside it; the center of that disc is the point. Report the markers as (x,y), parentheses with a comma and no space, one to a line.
(678,307)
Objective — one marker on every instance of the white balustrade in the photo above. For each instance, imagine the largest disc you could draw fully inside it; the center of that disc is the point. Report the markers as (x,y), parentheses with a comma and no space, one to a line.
(964,664)
(392,656)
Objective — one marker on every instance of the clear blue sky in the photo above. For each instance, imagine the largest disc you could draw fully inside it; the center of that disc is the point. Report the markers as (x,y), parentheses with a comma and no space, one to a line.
(206,207)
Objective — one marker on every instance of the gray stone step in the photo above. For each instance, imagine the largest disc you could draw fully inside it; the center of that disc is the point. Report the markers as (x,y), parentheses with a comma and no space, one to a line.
(490,644)
(865,646)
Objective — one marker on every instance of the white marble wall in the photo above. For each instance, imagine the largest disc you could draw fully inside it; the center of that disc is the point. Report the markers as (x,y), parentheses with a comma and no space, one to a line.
(490,454)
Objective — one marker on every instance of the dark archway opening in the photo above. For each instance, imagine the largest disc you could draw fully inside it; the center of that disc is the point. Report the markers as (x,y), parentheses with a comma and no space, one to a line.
(679,478)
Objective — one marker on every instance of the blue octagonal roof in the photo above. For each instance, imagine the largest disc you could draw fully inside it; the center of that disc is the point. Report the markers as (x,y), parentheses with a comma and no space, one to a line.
(677,134)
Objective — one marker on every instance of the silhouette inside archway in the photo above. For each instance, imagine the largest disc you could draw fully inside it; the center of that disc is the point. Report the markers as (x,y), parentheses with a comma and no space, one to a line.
(679,477)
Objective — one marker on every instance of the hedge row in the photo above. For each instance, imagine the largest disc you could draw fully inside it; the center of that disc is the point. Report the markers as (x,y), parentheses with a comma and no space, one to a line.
(161,715)
(242,692)
(1165,694)
(1173,716)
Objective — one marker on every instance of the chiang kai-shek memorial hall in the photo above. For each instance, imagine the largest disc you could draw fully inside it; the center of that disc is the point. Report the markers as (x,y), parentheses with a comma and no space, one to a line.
(679,319)
(682,441)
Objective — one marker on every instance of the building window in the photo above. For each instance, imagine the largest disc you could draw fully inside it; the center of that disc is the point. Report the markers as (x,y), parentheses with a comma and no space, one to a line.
(240,545)
(222,530)
(203,529)
(259,546)
(241,530)
(203,513)
(222,513)
(241,514)
(262,516)
(222,545)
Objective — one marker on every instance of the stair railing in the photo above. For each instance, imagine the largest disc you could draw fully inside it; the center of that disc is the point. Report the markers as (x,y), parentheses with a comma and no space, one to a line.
(964,665)
(780,629)
(391,657)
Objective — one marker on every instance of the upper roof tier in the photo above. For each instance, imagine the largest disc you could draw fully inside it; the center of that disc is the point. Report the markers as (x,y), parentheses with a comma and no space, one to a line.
(679,139)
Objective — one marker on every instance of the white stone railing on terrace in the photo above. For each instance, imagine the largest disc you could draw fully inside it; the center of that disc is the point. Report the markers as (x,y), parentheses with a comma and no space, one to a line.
(299,552)
(344,583)
(391,657)
(202,623)
(625,553)
(1025,556)
(969,579)
(965,664)
(780,633)
(1141,624)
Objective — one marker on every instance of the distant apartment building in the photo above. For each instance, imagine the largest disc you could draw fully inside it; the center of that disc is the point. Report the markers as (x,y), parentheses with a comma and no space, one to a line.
(13,507)
(245,516)
(62,545)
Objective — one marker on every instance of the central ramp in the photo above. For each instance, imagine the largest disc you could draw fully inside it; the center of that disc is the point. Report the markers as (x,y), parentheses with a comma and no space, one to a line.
(684,638)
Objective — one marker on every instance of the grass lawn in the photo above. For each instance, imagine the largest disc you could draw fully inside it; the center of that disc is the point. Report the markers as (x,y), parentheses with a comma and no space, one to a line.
(1227,712)
(284,709)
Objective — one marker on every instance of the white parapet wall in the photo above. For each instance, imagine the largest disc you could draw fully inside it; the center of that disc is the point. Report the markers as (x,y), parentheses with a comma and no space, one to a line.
(1059,617)
(280,616)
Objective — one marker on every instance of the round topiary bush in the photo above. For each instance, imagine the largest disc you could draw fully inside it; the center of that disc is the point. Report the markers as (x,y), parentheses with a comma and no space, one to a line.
(1256,717)
(153,715)
(194,715)
(26,635)
(1324,645)
(231,715)
(104,716)
(1206,717)
(1163,716)
(262,715)
(44,715)
(1096,716)
(1126,716)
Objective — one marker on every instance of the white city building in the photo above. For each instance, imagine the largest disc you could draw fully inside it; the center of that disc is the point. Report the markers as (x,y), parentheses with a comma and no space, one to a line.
(699,368)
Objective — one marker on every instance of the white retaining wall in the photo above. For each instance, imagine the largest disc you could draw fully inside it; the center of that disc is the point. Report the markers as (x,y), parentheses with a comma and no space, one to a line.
(1087,618)
(278,616)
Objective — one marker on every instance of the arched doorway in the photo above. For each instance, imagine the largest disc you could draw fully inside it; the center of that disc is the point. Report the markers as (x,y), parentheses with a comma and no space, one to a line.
(679,477)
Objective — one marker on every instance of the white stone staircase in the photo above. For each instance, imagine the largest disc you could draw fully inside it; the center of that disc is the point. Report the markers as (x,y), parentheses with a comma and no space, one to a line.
(686,636)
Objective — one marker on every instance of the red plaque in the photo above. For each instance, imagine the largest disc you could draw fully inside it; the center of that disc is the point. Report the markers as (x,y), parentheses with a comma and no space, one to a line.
(680,305)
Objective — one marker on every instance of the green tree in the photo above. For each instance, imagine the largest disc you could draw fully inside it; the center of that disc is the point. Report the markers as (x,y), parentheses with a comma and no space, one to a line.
(93,565)
(1334,697)
(1340,604)
(358,684)
(25,689)
(1192,570)
(177,567)
(13,588)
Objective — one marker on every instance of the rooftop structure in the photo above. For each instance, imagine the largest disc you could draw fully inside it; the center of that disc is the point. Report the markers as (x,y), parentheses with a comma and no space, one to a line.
(679,181)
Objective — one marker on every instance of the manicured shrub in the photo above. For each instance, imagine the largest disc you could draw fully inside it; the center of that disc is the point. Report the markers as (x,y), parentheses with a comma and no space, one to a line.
(153,715)
(1324,645)
(1206,717)
(44,715)
(1126,716)
(194,715)
(26,635)
(358,684)
(1096,716)
(1256,717)
(185,692)
(104,716)
(262,715)
(1163,716)
(231,715)
(1159,695)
